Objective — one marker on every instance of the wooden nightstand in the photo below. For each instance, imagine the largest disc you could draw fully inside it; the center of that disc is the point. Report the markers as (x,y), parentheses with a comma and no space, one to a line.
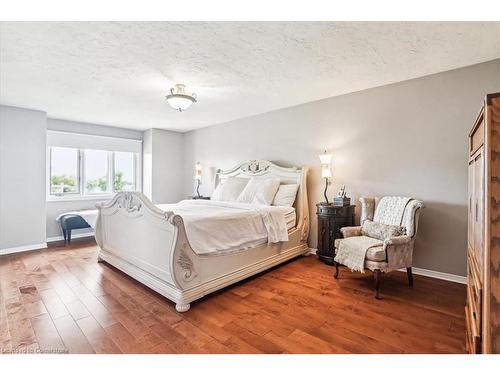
(330,220)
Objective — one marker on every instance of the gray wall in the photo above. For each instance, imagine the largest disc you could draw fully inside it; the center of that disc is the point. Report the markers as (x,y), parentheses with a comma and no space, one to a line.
(408,138)
(54,209)
(163,165)
(22,177)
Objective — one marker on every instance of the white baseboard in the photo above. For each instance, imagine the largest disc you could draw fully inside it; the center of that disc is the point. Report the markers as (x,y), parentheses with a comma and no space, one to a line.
(19,249)
(439,275)
(73,235)
(429,273)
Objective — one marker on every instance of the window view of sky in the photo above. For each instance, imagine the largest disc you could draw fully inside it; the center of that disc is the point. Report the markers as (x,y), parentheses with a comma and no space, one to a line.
(96,171)
(64,161)
(64,170)
(124,169)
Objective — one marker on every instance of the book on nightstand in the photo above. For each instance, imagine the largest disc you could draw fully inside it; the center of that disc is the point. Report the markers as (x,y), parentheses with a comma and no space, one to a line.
(341,201)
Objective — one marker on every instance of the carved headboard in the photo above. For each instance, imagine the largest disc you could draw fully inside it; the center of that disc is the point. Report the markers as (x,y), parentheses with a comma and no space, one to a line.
(287,175)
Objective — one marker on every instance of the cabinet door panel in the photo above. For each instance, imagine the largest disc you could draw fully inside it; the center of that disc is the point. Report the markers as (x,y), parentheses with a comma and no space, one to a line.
(470,203)
(323,235)
(478,208)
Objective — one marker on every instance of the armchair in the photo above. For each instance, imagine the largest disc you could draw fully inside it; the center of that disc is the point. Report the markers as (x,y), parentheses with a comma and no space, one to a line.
(391,253)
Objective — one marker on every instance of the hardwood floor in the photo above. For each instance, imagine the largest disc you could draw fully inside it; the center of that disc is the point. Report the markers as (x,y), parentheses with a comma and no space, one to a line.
(61,300)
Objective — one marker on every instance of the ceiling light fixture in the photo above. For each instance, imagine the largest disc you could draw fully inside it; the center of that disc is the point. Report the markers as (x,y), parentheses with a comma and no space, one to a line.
(178,99)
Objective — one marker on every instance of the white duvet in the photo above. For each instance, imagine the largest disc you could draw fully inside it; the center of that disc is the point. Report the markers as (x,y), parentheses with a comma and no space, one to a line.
(214,226)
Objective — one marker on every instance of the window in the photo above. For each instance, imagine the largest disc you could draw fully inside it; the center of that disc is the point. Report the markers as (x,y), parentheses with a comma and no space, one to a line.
(124,171)
(79,174)
(84,166)
(96,167)
(64,171)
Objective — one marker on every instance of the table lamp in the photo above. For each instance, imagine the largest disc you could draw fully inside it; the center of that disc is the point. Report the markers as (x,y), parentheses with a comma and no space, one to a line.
(197,177)
(326,171)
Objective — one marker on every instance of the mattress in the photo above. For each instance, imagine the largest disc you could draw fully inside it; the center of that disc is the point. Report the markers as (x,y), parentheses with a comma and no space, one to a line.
(215,228)
(291,218)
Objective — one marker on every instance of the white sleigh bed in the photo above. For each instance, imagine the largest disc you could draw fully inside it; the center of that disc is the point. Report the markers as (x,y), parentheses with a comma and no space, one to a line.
(151,245)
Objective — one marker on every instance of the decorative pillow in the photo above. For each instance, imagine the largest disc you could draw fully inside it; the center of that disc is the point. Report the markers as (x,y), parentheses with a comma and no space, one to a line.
(286,195)
(229,190)
(381,231)
(259,191)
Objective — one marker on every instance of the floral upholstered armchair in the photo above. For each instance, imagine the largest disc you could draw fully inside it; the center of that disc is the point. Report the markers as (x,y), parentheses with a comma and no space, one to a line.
(384,240)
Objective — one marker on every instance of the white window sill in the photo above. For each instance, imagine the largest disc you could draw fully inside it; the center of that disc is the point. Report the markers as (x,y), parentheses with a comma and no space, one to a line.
(74,198)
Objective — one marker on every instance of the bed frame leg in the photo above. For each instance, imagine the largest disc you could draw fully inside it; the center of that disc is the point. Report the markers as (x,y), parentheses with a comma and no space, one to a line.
(182,307)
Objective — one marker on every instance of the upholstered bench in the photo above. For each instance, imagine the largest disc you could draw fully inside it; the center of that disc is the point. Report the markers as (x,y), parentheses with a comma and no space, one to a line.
(75,220)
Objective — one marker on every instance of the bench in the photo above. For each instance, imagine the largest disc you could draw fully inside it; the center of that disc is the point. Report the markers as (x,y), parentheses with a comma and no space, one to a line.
(75,220)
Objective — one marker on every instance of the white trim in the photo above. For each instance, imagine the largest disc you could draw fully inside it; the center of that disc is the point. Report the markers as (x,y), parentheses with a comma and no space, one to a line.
(19,249)
(72,136)
(76,235)
(93,135)
(438,275)
(429,273)
(78,197)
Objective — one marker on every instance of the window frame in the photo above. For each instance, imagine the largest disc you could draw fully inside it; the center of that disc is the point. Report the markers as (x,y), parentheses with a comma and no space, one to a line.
(109,173)
(82,195)
(78,174)
(137,171)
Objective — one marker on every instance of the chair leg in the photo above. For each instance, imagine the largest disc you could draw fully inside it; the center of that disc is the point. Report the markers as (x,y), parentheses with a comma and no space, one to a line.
(64,235)
(376,277)
(336,274)
(410,276)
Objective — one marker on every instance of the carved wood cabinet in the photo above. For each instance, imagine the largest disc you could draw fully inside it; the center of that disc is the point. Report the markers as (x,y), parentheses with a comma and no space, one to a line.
(330,220)
(482,310)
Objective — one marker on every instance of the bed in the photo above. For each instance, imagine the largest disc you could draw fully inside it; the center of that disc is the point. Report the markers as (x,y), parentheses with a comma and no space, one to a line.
(163,247)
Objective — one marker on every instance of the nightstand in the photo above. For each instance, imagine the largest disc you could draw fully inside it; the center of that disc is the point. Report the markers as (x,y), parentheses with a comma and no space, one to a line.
(330,220)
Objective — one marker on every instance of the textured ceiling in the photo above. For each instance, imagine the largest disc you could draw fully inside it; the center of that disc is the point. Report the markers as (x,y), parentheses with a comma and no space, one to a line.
(118,73)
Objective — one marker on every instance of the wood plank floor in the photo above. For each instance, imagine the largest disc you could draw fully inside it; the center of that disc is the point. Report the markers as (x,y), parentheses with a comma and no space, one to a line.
(61,300)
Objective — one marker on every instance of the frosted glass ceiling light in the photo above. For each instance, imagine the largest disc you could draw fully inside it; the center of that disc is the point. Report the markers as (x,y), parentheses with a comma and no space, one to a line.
(178,99)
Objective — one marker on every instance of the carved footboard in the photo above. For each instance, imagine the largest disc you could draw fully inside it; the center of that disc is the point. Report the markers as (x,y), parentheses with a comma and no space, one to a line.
(151,245)
(146,243)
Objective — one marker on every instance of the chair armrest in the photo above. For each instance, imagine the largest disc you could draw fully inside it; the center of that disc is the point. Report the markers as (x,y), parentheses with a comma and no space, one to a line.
(350,231)
(398,240)
(399,252)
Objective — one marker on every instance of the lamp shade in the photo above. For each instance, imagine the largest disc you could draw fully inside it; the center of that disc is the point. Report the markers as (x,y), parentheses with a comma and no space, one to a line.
(325,158)
(198,168)
(326,172)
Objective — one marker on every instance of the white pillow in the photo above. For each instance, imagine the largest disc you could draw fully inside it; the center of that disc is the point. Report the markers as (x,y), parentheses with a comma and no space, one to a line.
(259,191)
(286,195)
(229,190)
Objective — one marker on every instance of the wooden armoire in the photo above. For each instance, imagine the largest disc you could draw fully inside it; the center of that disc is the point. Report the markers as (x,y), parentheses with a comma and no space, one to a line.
(482,310)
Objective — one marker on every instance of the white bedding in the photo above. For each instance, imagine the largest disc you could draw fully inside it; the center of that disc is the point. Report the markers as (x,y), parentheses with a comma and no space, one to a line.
(213,227)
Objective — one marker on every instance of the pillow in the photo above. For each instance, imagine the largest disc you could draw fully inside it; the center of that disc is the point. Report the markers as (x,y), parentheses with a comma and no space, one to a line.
(229,190)
(259,191)
(286,195)
(381,231)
